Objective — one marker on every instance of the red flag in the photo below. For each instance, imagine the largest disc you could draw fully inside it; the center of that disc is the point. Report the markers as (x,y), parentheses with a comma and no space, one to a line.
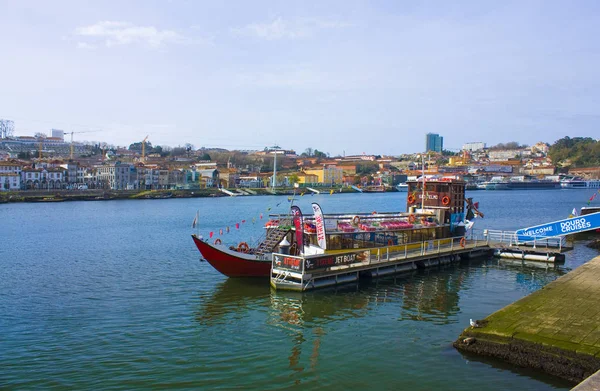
(476,205)
(210,234)
(243,221)
(237,225)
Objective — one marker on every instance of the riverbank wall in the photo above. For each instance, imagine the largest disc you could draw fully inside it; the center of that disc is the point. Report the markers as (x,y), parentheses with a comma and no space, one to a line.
(556,329)
(100,194)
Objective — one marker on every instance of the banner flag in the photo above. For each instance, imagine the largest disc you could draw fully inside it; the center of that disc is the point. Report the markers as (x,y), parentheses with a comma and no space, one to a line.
(210,235)
(237,225)
(299,226)
(319,223)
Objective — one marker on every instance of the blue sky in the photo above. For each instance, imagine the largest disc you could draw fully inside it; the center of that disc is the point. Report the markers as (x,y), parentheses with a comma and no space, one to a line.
(339,76)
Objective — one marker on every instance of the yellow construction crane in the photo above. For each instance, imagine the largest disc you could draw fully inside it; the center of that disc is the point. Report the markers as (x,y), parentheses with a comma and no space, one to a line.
(71,133)
(144,149)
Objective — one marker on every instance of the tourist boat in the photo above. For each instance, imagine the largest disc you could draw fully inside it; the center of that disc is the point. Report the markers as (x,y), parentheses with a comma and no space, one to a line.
(374,189)
(434,209)
(579,183)
(402,187)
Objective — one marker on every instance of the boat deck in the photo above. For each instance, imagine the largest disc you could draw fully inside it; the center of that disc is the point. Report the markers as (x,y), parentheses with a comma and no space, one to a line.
(302,273)
(306,273)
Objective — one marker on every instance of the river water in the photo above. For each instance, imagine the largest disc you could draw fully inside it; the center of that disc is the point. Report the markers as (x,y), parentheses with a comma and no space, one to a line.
(112,295)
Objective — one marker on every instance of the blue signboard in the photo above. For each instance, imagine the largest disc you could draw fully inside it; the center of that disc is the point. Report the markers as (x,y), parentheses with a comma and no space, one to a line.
(560,228)
(455,220)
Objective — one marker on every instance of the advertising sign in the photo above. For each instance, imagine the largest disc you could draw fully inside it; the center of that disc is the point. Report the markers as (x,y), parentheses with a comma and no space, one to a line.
(319,225)
(323,262)
(288,262)
(560,228)
(298,225)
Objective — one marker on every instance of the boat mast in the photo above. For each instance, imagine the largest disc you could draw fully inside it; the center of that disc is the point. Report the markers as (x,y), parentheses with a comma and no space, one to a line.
(274,169)
(423,184)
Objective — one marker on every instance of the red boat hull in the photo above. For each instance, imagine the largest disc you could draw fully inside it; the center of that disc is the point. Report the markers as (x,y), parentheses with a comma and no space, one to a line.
(232,263)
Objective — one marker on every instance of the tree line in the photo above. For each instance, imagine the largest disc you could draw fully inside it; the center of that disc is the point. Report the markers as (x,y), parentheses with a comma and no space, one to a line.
(575,152)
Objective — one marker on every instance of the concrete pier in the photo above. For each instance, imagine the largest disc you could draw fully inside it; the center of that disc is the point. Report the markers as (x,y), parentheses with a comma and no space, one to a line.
(556,329)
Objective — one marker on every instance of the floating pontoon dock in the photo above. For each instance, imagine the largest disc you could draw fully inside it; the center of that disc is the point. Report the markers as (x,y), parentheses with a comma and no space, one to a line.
(302,273)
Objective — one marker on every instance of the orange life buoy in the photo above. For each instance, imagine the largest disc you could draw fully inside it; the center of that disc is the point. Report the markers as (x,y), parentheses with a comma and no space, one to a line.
(217,241)
(411,219)
(411,198)
(445,200)
(243,247)
(463,241)
(356,220)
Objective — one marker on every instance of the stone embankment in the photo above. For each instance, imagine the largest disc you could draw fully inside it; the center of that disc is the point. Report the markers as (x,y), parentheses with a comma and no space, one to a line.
(556,329)
(98,194)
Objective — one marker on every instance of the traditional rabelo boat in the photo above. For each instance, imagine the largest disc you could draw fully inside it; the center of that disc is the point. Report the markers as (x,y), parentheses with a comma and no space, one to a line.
(433,211)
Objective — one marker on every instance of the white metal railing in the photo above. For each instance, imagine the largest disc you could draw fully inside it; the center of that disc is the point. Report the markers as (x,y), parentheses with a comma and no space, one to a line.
(511,239)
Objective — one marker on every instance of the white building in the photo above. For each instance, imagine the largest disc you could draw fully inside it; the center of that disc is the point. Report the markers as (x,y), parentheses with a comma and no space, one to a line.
(118,176)
(57,133)
(474,146)
(42,178)
(9,181)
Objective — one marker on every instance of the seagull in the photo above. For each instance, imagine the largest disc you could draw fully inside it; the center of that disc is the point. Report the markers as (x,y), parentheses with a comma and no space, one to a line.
(473,323)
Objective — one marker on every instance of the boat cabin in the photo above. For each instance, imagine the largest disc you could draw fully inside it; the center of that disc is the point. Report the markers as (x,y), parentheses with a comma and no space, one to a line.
(437,217)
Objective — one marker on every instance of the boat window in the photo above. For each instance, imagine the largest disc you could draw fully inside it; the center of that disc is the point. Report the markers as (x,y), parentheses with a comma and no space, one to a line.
(335,242)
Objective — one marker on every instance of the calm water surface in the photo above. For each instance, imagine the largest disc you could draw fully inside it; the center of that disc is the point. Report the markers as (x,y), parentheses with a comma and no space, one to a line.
(112,295)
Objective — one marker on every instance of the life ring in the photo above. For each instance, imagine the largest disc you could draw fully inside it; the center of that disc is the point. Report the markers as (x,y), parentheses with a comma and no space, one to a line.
(463,241)
(356,220)
(217,241)
(411,199)
(411,219)
(243,247)
(445,200)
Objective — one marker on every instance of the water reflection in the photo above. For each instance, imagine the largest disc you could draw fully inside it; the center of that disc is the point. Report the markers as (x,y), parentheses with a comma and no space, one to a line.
(232,296)
(417,304)
(432,297)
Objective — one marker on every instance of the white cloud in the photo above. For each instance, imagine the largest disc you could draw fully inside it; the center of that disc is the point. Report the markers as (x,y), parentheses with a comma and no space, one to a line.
(85,45)
(124,33)
(288,29)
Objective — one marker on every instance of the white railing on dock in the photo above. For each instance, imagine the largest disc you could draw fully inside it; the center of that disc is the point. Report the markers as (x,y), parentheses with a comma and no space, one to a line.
(511,239)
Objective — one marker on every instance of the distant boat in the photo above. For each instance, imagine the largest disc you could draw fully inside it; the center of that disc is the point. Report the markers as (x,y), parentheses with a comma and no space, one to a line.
(402,187)
(373,189)
(578,183)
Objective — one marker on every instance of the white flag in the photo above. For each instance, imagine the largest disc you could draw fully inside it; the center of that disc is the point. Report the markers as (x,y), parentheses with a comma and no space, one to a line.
(574,213)
(195,222)
(468,225)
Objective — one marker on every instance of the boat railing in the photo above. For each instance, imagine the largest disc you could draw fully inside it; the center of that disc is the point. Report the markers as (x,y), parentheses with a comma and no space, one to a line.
(511,239)
(287,267)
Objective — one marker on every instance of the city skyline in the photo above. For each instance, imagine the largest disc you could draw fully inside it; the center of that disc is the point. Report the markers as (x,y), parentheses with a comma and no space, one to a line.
(343,77)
